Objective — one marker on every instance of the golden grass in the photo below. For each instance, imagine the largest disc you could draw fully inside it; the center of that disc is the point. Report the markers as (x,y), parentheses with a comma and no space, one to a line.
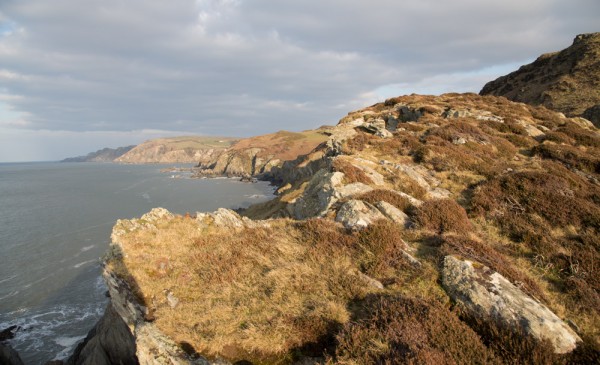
(257,293)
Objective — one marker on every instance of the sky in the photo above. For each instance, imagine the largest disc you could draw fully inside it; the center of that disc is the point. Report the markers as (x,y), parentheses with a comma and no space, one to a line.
(80,75)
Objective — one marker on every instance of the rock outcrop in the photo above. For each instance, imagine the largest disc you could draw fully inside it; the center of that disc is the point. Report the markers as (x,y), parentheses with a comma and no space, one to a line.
(187,149)
(109,342)
(567,81)
(489,295)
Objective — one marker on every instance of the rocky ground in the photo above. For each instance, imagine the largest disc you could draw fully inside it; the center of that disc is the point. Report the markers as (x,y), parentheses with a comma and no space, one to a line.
(425,229)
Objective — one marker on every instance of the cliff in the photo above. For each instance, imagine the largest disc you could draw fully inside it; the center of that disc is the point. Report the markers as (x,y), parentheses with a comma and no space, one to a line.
(187,149)
(256,156)
(426,229)
(567,81)
(103,155)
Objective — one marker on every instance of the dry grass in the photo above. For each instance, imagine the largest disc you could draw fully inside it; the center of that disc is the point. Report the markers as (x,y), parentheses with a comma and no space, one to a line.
(255,294)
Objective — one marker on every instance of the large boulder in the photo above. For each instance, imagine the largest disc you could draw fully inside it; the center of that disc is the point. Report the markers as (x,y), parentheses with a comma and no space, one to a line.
(356,214)
(486,294)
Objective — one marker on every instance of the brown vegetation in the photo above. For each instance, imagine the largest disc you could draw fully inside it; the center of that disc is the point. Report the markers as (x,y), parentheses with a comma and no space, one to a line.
(404,330)
(442,215)
(352,173)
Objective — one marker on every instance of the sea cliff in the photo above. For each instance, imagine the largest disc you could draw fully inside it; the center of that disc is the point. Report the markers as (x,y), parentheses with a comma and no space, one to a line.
(427,228)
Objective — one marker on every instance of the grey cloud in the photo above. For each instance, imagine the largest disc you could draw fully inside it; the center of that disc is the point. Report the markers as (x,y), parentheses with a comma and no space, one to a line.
(250,67)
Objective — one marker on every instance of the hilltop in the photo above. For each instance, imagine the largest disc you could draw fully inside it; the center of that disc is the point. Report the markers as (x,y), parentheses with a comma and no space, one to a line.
(425,229)
(567,81)
(186,149)
(103,155)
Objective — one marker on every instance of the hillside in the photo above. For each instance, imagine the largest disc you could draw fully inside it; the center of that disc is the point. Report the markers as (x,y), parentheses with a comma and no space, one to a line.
(567,81)
(426,229)
(186,149)
(103,155)
(256,156)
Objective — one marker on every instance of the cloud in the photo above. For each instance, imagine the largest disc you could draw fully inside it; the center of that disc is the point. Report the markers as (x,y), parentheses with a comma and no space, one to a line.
(247,67)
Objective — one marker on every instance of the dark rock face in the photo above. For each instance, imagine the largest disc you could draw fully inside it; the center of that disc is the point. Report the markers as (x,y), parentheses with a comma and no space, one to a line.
(8,356)
(593,114)
(109,342)
(567,81)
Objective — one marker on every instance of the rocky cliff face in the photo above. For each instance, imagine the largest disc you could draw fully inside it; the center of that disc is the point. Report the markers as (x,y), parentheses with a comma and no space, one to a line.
(103,155)
(567,81)
(188,149)
(257,156)
(499,199)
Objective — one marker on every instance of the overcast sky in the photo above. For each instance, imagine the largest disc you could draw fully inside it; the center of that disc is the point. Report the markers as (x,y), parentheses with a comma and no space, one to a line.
(79,75)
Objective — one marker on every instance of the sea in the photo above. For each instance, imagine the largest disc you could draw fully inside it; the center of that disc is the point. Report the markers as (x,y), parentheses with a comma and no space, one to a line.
(55,224)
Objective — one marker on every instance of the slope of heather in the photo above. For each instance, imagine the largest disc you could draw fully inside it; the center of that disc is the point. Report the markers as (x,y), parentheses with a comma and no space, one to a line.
(567,81)
(186,149)
(103,155)
(426,229)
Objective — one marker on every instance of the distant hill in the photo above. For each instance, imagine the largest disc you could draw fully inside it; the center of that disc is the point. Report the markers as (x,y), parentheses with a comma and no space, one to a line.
(186,149)
(103,155)
(567,81)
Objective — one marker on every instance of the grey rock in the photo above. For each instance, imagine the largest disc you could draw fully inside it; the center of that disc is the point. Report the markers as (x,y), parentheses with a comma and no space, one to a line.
(458,140)
(370,281)
(488,295)
(318,195)
(356,214)
(393,213)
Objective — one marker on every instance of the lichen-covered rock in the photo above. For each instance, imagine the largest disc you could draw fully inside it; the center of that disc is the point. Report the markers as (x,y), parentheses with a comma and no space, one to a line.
(356,214)
(393,213)
(318,196)
(488,295)
(226,218)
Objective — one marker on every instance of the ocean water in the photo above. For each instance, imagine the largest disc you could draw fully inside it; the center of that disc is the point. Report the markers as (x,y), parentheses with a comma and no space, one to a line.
(55,224)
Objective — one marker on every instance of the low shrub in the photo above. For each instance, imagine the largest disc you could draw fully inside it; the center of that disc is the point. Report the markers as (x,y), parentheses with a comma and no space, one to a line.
(379,249)
(442,215)
(403,330)
(573,157)
(582,137)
